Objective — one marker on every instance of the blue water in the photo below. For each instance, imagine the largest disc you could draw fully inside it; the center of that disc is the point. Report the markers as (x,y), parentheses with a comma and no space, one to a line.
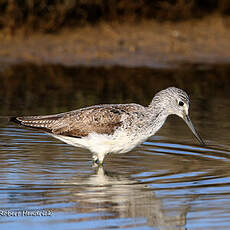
(169,182)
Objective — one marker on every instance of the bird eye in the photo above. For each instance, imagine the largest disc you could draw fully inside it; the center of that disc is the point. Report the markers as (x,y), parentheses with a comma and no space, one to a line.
(181,103)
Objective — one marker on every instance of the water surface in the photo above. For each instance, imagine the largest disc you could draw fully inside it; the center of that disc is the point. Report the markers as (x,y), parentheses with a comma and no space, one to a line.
(169,182)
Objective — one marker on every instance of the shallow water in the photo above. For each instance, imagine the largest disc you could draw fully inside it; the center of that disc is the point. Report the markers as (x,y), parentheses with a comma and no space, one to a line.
(169,182)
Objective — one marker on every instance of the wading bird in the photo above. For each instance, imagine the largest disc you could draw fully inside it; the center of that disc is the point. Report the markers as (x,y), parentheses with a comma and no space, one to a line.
(113,128)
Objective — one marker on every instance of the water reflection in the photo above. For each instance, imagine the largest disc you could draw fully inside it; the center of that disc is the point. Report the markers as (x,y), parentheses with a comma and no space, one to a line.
(124,197)
(23,88)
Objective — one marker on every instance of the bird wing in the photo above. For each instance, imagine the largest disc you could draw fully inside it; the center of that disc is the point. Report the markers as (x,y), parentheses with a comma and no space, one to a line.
(78,123)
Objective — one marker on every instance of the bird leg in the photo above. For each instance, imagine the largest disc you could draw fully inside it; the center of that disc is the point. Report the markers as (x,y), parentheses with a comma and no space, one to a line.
(97,162)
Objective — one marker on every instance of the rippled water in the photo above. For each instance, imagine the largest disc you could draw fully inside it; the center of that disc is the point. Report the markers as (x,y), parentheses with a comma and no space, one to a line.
(169,182)
(161,184)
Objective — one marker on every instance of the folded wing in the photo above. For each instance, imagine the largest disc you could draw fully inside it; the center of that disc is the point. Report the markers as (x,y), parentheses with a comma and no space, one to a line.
(78,123)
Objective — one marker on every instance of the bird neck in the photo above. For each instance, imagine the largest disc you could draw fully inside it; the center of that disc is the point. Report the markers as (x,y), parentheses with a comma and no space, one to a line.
(158,114)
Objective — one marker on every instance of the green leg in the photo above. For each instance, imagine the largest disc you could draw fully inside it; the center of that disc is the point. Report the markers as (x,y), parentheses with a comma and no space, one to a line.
(97,162)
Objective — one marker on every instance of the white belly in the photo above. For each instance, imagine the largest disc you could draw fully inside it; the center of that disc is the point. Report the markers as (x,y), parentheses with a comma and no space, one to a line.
(102,143)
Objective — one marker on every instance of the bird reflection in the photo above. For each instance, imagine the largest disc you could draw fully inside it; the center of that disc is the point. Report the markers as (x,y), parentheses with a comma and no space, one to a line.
(123,197)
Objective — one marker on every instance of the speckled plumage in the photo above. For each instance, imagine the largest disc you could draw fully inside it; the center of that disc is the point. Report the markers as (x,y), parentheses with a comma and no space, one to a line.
(111,128)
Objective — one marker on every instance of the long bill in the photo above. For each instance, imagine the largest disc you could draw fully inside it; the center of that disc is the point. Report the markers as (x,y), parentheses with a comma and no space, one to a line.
(191,126)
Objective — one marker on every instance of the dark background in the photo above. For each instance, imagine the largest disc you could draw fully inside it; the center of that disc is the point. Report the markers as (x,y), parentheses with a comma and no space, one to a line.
(50,16)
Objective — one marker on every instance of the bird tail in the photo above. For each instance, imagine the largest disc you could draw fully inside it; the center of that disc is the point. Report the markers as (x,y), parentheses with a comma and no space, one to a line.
(40,122)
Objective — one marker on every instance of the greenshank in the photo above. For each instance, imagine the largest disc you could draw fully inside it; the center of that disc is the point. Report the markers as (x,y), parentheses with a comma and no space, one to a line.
(113,128)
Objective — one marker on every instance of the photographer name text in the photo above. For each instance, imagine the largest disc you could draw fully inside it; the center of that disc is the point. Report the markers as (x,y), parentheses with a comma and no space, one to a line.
(18,213)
